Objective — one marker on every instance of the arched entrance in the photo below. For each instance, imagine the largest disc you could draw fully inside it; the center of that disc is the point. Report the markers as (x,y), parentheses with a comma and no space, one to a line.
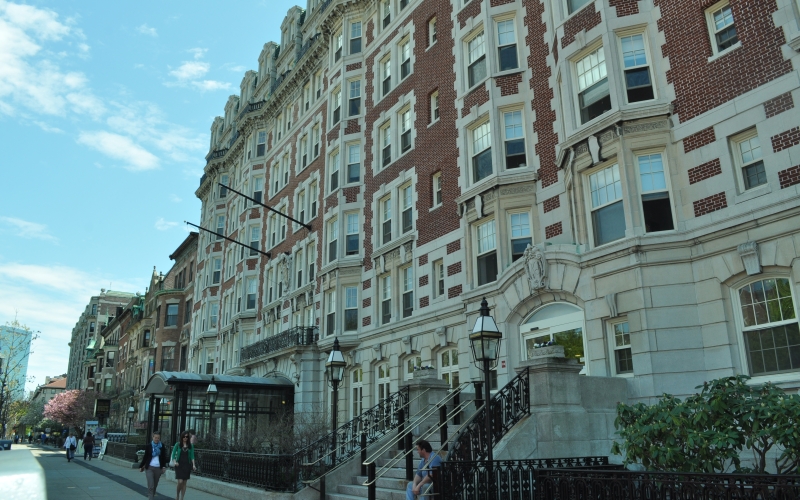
(559,322)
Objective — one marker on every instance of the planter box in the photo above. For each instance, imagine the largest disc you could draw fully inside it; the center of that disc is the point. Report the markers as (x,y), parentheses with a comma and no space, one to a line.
(426,374)
(552,351)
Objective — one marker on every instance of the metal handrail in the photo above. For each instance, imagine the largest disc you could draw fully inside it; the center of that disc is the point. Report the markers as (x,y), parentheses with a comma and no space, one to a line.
(410,425)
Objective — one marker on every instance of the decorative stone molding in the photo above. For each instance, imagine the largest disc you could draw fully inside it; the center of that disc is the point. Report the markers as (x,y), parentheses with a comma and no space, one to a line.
(553,351)
(407,343)
(378,353)
(535,267)
(611,300)
(442,333)
(750,258)
(479,206)
(521,189)
(594,149)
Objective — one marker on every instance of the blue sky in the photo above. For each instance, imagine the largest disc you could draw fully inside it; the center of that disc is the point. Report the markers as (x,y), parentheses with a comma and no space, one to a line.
(105,109)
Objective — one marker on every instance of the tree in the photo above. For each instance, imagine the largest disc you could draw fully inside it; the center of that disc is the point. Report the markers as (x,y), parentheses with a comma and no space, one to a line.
(34,414)
(15,348)
(16,411)
(72,408)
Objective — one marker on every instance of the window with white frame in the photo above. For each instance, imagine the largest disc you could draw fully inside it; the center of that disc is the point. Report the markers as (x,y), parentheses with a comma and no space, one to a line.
(354,101)
(747,157)
(448,367)
(252,287)
(476,69)
(334,171)
(406,209)
(769,326)
(481,152)
(282,209)
(330,313)
(520,234)
(301,205)
(270,286)
(594,98)
(273,230)
(350,308)
(255,239)
(514,139)
(275,178)
(285,169)
(214,315)
(313,194)
(403,4)
(405,58)
(357,391)
(316,138)
(407,274)
(216,270)
(574,5)
(638,80)
(355,37)
(311,252)
(434,106)
(506,45)
(487,253)
(353,163)
(405,130)
(656,205)
(223,189)
(623,359)
(386,299)
(437,189)
(386,13)
(721,26)
(258,188)
(383,382)
(304,151)
(352,236)
(415,363)
(386,144)
(299,265)
(438,278)
(220,226)
(261,143)
(386,220)
(386,75)
(333,239)
(318,84)
(307,95)
(336,105)
(432,31)
(337,46)
(607,214)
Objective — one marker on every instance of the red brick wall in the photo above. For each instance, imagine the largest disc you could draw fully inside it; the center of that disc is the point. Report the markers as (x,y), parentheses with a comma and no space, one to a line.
(478,96)
(423,259)
(701,85)
(454,246)
(625,7)
(509,84)
(699,139)
(454,268)
(778,105)
(704,171)
(786,139)
(551,203)
(471,10)
(423,280)
(710,204)
(353,67)
(789,177)
(454,291)
(424,302)
(553,230)
(584,20)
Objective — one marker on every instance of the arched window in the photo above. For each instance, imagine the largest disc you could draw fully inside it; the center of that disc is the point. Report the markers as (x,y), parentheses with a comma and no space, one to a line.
(561,323)
(411,364)
(769,326)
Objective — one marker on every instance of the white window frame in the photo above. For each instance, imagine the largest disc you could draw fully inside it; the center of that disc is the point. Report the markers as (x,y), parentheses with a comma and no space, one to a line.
(336,45)
(500,24)
(476,54)
(336,105)
(385,136)
(480,136)
(739,162)
(354,93)
(667,189)
(614,347)
(357,392)
(386,209)
(514,128)
(434,107)
(410,364)
(386,75)
(332,247)
(254,235)
(407,277)
(353,162)
(575,9)
(404,57)
(436,185)
(583,69)
(713,31)
(252,292)
(350,306)
(386,299)
(216,270)
(481,251)
(438,284)
(431,31)
(334,170)
(261,143)
(258,189)
(352,232)
(406,123)
(406,199)
(355,36)
(448,371)
(330,313)
(591,208)
(621,36)
(517,231)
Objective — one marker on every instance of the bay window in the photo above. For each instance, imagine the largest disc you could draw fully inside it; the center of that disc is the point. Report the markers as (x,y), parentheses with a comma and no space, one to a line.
(487,253)
(656,205)
(607,212)
(481,152)
(350,308)
(514,139)
(476,70)
(506,45)
(594,98)
(638,81)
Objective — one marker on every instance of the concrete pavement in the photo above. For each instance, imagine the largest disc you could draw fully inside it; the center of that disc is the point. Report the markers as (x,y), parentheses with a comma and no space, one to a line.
(96,479)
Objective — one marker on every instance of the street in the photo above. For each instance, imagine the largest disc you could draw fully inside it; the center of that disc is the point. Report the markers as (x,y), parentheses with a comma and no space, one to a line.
(97,479)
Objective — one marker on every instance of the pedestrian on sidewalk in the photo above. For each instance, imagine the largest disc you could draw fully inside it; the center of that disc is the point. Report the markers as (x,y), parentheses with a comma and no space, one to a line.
(155,462)
(183,459)
(71,443)
(88,446)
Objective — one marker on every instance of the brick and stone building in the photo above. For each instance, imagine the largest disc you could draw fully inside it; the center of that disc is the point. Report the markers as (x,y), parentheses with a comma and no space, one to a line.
(619,176)
(47,391)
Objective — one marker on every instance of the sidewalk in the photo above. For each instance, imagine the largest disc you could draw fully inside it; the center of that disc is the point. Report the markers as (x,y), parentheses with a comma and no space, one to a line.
(99,480)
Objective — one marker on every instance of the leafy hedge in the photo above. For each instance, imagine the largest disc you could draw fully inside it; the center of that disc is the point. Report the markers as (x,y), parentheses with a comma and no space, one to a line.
(707,432)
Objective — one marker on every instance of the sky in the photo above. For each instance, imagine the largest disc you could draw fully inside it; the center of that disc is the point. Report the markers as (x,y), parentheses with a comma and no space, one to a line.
(105,111)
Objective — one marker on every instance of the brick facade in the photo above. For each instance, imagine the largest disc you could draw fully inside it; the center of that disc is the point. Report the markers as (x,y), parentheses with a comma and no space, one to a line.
(704,171)
(698,140)
(778,105)
(789,177)
(710,204)
(553,230)
(786,139)
(551,204)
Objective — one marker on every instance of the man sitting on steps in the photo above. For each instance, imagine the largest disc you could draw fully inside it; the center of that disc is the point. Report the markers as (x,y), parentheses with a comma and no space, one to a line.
(423,476)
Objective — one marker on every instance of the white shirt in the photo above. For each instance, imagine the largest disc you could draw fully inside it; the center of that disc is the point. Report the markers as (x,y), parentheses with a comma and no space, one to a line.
(70,441)
(155,462)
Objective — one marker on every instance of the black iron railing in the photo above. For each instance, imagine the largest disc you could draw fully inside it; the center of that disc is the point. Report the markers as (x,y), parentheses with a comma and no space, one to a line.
(273,472)
(579,484)
(299,335)
(124,451)
(316,459)
(508,406)
(513,478)
(253,106)
(306,46)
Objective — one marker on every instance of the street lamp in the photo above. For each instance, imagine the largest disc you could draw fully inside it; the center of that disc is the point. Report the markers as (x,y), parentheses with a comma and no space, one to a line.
(485,339)
(131,412)
(335,367)
(211,393)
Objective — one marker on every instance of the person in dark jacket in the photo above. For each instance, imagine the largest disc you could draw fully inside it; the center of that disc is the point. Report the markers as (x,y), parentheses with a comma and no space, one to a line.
(88,446)
(155,460)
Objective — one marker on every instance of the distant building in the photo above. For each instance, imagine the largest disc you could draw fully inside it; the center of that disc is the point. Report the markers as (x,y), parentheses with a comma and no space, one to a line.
(52,386)
(15,347)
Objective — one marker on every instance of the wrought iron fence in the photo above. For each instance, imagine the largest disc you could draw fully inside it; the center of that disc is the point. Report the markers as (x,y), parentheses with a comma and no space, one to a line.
(299,335)
(124,451)
(508,406)
(316,459)
(273,472)
(513,479)
(575,484)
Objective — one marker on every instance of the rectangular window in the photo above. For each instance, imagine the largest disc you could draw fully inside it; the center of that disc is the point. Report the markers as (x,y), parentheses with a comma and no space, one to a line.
(355,98)
(573,5)
(477,60)
(355,37)
(220,226)
(334,172)
(593,94)
(638,84)
(273,224)
(92,327)
(386,220)
(261,144)
(187,311)
(386,12)
(514,139)
(315,136)
(285,169)
(214,315)
(408,290)
(307,95)
(172,315)
(747,156)
(333,237)
(258,189)
(353,163)
(279,126)
(656,205)
(337,106)
(405,130)
(146,339)
(252,287)
(481,152)
(506,45)
(313,195)
(434,106)
(386,145)
(405,59)
(407,209)
(318,84)
(722,26)
(608,215)
(311,251)
(438,278)
(350,308)
(270,287)
(351,239)
(487,253)
(167,359)
(223,189)
(255,238)
(520,234)
(386,77)
(403,4)
(337,44)
(330,314)
(276,178)
(437,189)
(301,206)
(304,151)
(216,270)
(386,299)
(622,348)
(771,332)
(432,31)
(298,265)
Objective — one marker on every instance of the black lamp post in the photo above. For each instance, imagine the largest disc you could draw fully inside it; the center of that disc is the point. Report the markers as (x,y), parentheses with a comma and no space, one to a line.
(211,392)
(131,412)
(335,367)
(485,339)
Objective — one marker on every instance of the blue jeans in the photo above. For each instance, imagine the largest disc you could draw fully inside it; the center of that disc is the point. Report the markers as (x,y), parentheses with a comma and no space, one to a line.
(425,488)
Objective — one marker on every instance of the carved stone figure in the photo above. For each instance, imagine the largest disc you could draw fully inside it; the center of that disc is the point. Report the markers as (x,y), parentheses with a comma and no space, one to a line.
(286,273)
(535,267)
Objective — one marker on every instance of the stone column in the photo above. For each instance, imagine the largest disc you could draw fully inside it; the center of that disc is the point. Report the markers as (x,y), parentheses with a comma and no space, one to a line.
(426,392)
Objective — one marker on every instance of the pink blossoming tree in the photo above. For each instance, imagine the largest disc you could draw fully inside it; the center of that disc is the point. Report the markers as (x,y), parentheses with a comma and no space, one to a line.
(72,408)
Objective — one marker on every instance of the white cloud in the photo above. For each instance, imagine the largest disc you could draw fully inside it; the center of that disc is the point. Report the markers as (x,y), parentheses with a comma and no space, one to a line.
(198,52)
(147,30)
(120,147)
(174,198)
(190,73)
(211,85)
(29,230)
(48,128)
(190,70)
(164,225)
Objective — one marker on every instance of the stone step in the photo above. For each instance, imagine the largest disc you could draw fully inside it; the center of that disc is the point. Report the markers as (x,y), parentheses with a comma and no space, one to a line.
(361,492)
(397,473)
(385,481)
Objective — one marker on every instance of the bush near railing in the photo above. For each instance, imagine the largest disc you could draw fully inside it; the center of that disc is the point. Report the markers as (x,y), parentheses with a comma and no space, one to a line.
(124,451)
(272,472)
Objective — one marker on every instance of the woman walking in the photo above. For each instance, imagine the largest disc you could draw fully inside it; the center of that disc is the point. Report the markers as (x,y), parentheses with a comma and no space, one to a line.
(155,461)
(183,457)
(88,446)
(70,444)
